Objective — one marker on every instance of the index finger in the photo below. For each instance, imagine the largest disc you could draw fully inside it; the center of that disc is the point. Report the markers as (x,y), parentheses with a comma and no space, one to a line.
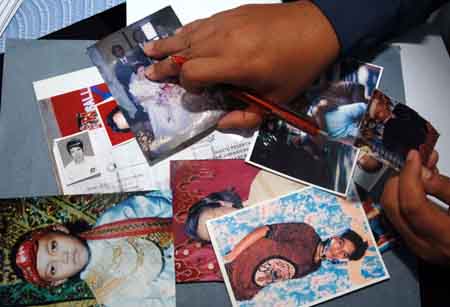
(173,44)
(163,47)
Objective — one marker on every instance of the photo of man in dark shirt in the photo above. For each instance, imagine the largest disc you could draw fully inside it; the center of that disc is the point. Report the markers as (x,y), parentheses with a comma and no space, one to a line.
(279,252)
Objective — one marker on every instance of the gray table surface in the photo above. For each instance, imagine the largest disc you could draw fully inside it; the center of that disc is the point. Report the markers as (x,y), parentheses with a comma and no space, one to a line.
(25,160)
(27,171)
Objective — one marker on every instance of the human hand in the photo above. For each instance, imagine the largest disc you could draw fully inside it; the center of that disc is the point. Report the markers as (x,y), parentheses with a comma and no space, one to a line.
(424,226)
(275,50)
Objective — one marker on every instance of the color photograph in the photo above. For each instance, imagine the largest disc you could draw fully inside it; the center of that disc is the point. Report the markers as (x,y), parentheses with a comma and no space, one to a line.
(162,115)
(207,189)
(335,104)
(77,155)
(338,101)
(297,250)
(108,250)
(116,126)
(390,129)
(286,151)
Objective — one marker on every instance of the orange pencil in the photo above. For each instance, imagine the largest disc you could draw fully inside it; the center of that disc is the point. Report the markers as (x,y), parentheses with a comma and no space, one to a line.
(293,119)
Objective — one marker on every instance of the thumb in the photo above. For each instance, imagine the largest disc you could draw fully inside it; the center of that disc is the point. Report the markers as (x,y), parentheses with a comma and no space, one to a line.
(411,189)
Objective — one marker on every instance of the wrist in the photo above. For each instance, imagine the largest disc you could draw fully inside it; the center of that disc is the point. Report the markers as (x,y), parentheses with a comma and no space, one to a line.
(314,44)
(321,25)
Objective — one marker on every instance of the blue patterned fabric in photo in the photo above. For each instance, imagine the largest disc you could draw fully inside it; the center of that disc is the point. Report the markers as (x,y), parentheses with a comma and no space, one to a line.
(325,213)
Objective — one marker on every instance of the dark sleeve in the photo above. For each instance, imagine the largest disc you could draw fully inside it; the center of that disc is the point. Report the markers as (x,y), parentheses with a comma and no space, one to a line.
(363,23)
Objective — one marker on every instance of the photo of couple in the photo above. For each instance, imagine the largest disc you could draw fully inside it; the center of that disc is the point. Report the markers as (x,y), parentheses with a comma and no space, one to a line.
(162,115)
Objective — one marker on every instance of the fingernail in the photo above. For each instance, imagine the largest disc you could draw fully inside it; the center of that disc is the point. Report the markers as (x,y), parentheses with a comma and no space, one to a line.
(426,173)
(410,155)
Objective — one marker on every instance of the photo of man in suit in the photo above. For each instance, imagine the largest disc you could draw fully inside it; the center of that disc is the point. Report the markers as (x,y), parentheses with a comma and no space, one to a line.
(140,39)
(123,68)
(82,166)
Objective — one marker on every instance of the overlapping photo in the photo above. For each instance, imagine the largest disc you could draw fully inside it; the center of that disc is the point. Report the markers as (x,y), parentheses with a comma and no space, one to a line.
(89,141)
(205,189)
(297,250)
(335,104)
(114,122)
(91,250)
(385,235)
(289,152)
(390,129)
(162,115)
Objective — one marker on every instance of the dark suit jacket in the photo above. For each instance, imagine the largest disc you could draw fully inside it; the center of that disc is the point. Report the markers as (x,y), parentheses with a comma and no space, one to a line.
(123,72)
(139,56)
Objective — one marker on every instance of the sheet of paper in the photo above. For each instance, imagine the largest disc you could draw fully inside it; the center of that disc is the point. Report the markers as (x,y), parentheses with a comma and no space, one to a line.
(118,167)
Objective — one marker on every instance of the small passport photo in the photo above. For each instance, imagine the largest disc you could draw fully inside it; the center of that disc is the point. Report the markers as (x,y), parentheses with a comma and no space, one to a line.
(79,250)
(162,115)
(297,250)
(78,158)
(390,129)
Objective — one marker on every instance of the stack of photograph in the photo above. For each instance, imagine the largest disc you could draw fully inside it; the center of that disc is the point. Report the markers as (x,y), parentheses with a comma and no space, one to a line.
(151,195)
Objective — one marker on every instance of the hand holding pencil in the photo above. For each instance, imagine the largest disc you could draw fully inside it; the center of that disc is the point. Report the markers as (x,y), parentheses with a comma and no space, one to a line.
(235,48)
(263,106)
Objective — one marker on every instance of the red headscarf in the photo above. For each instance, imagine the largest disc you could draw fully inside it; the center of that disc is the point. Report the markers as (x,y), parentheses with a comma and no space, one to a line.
(27,255)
